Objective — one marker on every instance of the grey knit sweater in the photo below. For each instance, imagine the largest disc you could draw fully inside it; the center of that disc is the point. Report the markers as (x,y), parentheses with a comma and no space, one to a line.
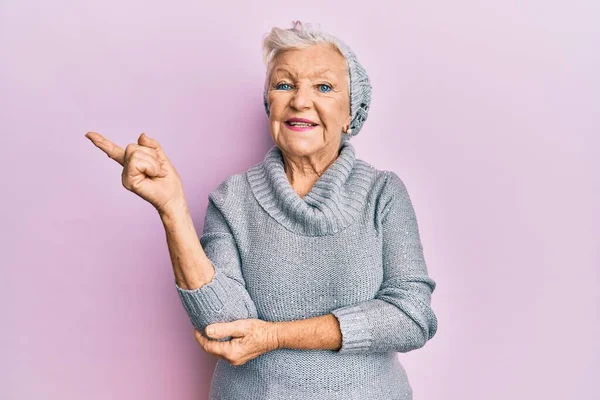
(350,247)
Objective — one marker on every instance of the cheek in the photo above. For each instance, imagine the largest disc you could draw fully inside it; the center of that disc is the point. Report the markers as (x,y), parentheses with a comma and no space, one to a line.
(276,104)
(335,110)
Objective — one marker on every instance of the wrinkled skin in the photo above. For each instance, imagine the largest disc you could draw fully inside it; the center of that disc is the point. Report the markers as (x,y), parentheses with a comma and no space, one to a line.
(250,338)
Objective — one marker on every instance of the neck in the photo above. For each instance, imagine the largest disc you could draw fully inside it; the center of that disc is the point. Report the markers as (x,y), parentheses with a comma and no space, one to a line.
(332,203)
(304,172)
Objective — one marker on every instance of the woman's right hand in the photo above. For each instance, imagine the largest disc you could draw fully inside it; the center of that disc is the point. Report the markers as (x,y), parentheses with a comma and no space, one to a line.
(147,171)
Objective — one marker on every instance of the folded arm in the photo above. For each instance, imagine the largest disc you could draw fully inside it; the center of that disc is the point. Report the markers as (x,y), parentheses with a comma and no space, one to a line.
(399,318)
(322,332)
(213,289)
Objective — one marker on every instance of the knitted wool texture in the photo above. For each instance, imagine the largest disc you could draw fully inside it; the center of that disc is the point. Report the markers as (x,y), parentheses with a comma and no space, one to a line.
(350,247)
(360,89)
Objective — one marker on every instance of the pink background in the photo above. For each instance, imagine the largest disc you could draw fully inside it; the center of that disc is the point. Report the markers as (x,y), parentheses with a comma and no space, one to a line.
(489,111)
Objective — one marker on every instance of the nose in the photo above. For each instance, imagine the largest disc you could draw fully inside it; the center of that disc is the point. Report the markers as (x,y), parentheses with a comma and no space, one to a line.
(302,98)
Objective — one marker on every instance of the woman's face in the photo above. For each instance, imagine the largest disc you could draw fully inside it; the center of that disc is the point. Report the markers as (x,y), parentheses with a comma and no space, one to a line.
(312,84)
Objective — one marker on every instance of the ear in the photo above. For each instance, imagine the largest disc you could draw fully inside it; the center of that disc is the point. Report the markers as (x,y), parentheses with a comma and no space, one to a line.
(348,120)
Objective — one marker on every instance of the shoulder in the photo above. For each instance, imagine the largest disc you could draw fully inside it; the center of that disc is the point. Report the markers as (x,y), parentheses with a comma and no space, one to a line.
(385,183)
(230,191)
(393,184)
(391,192)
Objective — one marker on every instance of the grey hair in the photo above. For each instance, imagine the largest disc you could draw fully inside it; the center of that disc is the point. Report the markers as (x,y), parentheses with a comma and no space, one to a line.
(300,36)
(303,35)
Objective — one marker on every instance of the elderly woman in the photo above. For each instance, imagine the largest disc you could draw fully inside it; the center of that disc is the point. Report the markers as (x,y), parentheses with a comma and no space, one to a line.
(309,276)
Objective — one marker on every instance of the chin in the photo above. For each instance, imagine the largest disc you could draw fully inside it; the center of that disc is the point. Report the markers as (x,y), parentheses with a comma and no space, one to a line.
(301,146)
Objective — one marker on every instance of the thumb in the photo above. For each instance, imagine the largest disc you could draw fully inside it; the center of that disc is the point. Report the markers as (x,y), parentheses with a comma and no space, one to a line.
(147,141)
(225,329)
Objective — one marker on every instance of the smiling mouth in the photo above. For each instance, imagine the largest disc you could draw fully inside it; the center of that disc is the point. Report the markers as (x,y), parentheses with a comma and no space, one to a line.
(300,124)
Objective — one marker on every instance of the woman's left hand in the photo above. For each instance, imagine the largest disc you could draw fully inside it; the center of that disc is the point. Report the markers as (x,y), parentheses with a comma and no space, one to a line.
(249,339)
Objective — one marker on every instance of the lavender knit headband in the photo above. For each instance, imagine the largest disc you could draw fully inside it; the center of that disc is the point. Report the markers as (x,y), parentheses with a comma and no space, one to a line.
(360,90)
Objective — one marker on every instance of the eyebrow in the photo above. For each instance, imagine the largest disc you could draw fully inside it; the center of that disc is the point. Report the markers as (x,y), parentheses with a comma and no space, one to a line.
(320,73)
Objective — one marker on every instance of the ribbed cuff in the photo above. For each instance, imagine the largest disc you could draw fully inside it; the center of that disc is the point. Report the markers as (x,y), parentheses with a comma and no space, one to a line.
(356,336)
(207,299)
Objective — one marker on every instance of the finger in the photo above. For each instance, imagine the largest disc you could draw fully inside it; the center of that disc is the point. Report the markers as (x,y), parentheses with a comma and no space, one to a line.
(199,338)
(112,150)
(223,329)
(210,346)
(202,341)
(143,163)
(145,140)
(146,150)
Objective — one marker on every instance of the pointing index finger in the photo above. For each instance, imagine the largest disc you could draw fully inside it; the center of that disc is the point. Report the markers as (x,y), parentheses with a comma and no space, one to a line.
(112,150)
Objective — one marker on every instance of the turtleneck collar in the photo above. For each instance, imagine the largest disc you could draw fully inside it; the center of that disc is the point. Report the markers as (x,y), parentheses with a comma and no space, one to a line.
(336,199)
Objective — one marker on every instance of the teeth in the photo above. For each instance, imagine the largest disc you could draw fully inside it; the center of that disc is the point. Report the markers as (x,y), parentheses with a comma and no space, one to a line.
(300,124)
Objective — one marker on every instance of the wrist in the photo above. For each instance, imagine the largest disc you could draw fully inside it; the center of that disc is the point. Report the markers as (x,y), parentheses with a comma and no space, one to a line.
(173,209)
(276,335)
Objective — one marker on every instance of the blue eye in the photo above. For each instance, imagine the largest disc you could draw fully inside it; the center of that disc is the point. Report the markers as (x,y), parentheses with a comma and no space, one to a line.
(282,84)
(327,87)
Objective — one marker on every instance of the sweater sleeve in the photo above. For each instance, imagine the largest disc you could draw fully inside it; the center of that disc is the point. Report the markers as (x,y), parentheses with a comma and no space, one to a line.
(399,317)
(224,299)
